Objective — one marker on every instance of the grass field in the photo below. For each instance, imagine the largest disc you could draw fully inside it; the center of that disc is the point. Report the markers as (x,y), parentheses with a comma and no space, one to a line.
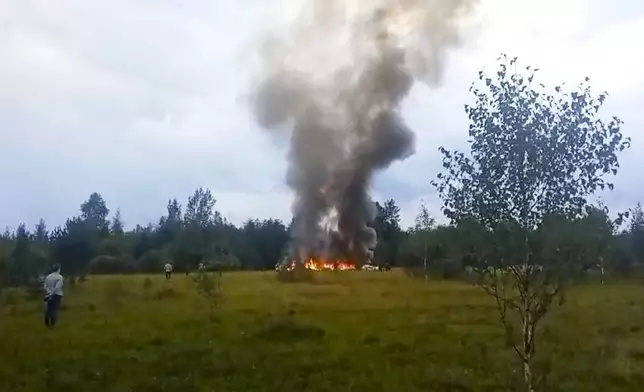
(348,331)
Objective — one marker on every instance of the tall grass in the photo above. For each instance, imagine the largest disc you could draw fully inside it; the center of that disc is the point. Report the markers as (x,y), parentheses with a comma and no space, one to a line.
(353,331)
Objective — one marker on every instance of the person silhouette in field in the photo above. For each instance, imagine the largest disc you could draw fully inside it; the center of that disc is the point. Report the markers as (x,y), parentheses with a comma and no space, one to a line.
(53,285)
(168,270)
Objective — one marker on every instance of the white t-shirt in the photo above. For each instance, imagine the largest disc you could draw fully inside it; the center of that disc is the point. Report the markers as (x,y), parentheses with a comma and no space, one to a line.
(168,267)
(53,284)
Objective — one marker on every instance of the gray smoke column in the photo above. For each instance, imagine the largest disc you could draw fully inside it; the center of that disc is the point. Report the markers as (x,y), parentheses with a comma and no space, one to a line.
(335,77)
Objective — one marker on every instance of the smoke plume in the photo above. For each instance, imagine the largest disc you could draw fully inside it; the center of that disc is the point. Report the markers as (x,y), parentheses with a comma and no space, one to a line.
(336,77)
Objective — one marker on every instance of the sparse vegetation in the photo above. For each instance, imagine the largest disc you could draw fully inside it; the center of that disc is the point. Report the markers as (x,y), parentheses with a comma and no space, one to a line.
(147,284)
(11,296)
(164,293)
(374,331)
(115,292)
(208,286)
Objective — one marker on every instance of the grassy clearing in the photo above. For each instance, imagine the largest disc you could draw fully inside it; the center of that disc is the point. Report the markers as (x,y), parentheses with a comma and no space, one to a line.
(349,331)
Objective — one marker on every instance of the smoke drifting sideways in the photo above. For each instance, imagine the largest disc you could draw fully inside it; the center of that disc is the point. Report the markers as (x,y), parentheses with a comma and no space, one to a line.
(335,77)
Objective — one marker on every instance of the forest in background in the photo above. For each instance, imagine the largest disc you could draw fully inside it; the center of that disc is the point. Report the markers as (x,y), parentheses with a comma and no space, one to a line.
(95,242)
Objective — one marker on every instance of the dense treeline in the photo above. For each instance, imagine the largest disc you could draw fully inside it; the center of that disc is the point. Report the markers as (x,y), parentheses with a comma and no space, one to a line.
(95,242)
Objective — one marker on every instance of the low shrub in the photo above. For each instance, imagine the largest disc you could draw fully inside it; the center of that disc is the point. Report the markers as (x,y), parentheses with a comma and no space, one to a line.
(208,286)
(147,284)
(299,273)
(115,292)
(165,293)
(285,328)
(12,296)
(107,265)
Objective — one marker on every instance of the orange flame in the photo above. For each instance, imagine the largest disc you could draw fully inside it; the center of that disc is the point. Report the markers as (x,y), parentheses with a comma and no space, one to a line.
(327,265)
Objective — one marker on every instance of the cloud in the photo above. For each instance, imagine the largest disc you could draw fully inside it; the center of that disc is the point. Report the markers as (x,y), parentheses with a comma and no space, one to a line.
(140,101)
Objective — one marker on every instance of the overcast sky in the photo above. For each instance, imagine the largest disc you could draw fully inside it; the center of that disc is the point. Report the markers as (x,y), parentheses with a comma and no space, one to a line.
(139,101)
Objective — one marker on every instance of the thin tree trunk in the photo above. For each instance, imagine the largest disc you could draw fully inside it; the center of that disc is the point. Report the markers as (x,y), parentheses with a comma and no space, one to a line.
(528,350)
(527,376)
(425,260)
(425,267)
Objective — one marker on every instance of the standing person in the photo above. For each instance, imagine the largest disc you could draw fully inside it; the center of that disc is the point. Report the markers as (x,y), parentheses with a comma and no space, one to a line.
(53,286)
(168,270)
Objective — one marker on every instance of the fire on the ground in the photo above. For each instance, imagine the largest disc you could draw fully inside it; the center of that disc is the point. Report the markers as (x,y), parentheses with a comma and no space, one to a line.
(326,265)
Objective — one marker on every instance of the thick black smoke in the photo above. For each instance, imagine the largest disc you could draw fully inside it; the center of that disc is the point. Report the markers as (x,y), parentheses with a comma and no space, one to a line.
(338,76)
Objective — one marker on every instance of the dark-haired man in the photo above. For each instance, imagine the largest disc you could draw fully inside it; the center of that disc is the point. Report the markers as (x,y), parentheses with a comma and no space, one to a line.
(53,286)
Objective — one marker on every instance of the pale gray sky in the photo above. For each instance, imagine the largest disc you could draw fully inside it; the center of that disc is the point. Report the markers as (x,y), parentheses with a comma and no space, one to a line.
(140,101)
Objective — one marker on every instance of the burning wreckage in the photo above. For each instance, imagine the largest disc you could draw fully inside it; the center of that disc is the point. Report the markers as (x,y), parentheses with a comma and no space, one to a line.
(288,264)
(332,78)
(326,259)
(317,265)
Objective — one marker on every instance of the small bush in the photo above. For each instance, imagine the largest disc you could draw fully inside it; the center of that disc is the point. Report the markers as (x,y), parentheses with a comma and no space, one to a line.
(371,339)
(11,296)
(34,292)
(165,292)
(208,286)
(286,328)
(106,264)
(151,261)
(444,269)
(147,284)
(415,272)
(115,292)
(448,269)
(299,273)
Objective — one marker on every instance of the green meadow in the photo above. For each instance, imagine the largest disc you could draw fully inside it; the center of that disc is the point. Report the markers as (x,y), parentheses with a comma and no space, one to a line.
(346,331)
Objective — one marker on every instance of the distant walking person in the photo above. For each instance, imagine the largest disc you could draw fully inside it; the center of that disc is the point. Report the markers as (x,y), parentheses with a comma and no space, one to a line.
(53,286)
(168,270)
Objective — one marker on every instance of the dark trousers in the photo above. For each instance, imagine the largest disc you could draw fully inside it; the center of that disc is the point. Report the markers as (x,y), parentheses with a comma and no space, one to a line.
(168,275)
(51,310)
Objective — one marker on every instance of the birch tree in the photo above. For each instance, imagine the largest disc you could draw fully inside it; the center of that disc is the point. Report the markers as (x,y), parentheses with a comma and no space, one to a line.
(535,157)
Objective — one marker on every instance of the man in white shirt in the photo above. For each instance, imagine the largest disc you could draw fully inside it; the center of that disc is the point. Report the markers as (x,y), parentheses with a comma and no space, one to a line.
(53,286)
(168,270)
